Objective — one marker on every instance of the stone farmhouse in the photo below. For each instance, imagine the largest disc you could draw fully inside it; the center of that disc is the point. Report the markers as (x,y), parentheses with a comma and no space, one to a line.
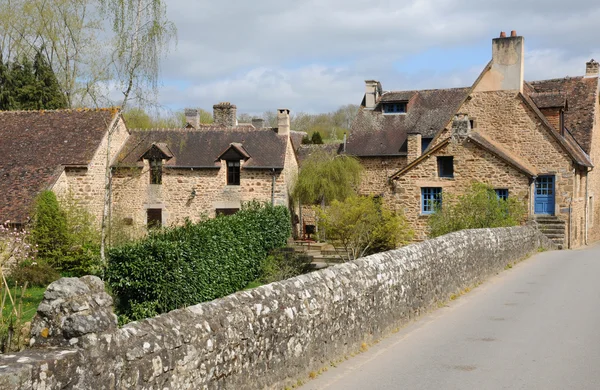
(158,177)
(536,141)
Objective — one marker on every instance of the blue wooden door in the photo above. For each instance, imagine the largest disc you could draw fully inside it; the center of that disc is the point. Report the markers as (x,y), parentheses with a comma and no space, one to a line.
(544,195)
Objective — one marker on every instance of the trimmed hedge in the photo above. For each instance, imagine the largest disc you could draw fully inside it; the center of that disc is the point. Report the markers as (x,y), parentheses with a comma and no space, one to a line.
(194,263)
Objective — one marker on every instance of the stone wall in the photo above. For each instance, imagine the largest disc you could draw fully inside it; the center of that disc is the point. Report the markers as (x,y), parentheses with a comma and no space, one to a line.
(273,335)
(594,180)
(376,171)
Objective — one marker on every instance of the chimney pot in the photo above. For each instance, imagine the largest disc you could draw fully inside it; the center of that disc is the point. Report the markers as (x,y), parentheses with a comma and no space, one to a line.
(502,34)
(513,33)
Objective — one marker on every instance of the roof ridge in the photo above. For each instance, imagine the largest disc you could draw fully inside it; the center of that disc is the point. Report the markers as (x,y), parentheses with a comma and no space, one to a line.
(556,79)
(60,110)
(424,90)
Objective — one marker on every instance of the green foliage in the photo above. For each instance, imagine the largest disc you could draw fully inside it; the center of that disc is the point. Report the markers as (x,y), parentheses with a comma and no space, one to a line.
(282,265)
(325,177)
(194,263)
(316,138)
(361,225)
(29,86)
(306,140)
(138,118)
(65,236)
(478,207)
(35,274)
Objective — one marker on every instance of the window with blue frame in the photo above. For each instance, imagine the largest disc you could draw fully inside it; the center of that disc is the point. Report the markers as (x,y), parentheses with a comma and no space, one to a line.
(394,108)
(502,193)
(431,197)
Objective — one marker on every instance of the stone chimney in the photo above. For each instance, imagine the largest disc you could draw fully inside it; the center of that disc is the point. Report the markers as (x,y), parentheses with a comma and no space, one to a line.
(461,127)
(414,146)
(283,121)
(372,93)
(591,68)
(192,117)
(225,114)
(258,123)
(506,74)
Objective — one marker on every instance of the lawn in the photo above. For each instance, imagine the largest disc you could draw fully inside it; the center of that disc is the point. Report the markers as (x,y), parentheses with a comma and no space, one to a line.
(28,303)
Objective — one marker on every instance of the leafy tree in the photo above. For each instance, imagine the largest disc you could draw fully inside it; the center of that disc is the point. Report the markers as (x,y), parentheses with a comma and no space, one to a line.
(138,118)
(316,138)
(361,225)
(479,207)
(326,177)
(50,229)
(48,93)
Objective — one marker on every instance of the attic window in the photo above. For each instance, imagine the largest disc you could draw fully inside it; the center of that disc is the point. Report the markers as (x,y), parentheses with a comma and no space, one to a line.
(445,166)
(394,108)
(425,142)
(155,171)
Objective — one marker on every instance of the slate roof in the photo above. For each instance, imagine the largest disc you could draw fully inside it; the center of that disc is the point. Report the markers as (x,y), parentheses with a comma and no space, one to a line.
(429,111)
(34,148)
(580,93)
(553,99)
(200,148)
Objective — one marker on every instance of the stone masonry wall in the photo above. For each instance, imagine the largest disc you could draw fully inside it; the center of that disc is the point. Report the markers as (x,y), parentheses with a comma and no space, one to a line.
(594,180)
(273,335)
(376,171)
(471,163)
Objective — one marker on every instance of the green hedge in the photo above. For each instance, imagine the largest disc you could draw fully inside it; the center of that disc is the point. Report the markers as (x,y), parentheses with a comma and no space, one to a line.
(186,265)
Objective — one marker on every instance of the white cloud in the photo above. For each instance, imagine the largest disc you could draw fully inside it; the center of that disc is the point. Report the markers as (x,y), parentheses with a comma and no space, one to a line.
(313,55)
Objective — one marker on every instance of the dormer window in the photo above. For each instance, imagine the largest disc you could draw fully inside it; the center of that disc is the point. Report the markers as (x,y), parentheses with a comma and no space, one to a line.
(394,108)
(156,171)
(233,173)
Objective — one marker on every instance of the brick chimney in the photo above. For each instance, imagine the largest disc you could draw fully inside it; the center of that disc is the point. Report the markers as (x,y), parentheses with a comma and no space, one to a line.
(591,68)
(506,74)
(372,93)
(283,121)
(225,114)
(192,117)
(258,123)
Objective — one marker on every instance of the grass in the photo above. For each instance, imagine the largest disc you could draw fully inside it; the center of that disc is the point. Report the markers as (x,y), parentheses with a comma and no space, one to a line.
(31,299)
(253,284)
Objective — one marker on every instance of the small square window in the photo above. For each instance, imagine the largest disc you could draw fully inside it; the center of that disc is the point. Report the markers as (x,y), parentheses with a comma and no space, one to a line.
(431,198)
(154,218)
(233,173)
(394,108)
(425,142)
(502,193)
(445,166)
(155,171)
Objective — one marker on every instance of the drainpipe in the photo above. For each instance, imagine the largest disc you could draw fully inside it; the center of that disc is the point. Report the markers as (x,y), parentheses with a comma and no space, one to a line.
(587,204)
(570,222)
(273,187)
(344,147)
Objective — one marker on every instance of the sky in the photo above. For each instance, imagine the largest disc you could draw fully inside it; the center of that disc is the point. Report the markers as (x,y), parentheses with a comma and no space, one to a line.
(314,55)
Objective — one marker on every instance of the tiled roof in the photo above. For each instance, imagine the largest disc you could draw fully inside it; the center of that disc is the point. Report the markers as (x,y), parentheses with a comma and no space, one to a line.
(428,111)
(553,99)
(581,97)
(200,148)
(35,145)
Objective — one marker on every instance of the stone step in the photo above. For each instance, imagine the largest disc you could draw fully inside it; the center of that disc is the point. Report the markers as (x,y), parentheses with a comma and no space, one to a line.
(550,221)
(555,235)
(552,229)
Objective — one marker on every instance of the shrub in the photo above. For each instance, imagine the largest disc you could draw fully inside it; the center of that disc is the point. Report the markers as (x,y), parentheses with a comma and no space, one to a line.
(35,274)
(282,265)
(362,225)
(479,207)
(316,138)
(65,235)
(181,266)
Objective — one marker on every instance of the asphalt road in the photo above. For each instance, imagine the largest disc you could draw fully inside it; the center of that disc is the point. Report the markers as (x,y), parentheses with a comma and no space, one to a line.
(535,326)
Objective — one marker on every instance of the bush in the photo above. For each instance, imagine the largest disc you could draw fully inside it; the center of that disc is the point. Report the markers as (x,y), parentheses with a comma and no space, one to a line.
(282,265)
(194,263)
(65,235)
(479,207)
(316,138)
(362,225)
(35,274)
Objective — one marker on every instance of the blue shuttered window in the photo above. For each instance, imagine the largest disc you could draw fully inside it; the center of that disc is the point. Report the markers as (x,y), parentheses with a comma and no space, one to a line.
(502,193)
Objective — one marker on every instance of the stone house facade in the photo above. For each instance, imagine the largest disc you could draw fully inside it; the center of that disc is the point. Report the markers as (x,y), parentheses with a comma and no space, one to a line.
(63,150)
(166,176)
(535,141)
(158,177)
